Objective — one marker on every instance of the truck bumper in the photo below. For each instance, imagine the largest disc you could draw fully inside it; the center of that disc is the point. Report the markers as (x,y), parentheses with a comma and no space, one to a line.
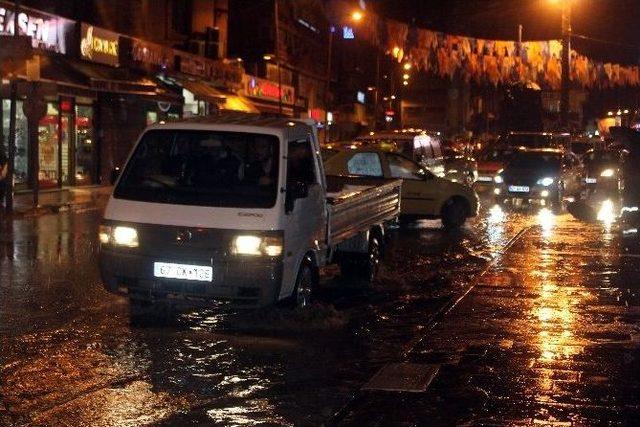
(244,283)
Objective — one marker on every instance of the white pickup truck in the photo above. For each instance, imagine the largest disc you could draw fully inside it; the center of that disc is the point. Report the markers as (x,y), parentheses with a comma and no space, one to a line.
(237,208)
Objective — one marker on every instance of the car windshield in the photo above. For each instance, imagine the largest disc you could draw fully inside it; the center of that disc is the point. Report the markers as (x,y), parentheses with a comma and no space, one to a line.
(204,168)
(544,161)
(601,157)
(581,147)
(532,140)
(495,154)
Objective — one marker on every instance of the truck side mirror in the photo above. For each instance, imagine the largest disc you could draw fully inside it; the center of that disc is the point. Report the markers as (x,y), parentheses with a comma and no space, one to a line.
(115,173)
(295,190)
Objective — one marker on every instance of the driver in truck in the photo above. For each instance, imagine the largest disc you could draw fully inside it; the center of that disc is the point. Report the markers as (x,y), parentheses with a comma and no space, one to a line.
(260,170)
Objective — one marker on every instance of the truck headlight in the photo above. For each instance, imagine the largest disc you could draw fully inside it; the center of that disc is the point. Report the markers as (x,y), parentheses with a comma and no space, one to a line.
(125,236)
(256,245)
(607,173)
(545,182)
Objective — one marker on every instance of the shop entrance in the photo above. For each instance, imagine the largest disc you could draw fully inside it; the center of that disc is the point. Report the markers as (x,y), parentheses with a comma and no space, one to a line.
(67,154)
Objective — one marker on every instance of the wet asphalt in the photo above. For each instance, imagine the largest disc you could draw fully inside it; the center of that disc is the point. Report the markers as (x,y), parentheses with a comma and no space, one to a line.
(529,319)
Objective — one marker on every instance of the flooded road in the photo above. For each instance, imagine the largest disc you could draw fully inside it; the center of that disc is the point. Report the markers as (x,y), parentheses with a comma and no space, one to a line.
(562,295)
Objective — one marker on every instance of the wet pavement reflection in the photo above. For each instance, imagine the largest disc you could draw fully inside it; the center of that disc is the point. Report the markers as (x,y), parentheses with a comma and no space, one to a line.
(553,322)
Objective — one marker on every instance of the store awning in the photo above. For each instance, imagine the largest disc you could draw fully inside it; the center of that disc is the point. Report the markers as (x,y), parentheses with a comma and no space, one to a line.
(103,78)
(222,99)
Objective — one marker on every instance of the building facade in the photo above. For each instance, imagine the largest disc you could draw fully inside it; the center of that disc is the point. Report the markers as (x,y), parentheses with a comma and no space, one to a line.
(98,77)
(284,48)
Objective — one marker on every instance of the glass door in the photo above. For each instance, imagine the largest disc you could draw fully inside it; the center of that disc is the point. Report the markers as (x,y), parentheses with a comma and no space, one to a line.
(85,159)
(65,148)
(48,147)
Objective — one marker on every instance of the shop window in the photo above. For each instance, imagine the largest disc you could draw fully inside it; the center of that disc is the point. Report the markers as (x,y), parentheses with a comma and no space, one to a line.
(152,117)
(48,147)
(21,164)
(85,161)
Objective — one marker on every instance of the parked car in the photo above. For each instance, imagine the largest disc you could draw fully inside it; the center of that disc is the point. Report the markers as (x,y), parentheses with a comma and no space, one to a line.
(543,176)
(424,195)
(237,208)
(491,161)
(420,146)
(529,140)
(459,166)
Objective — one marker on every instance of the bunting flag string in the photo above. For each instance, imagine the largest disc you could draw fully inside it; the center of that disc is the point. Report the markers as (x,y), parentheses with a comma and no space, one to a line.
(493,62)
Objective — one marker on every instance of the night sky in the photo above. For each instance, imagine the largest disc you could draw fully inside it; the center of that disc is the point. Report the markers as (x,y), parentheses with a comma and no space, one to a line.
(617,21)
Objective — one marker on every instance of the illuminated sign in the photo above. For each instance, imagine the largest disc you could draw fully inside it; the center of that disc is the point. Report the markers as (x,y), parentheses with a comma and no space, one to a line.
(348,33)
(48,32)
(152,54)
(266,89)
(100,45)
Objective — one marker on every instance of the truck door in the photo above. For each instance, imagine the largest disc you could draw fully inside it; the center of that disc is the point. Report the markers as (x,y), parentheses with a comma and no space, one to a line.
(306,216)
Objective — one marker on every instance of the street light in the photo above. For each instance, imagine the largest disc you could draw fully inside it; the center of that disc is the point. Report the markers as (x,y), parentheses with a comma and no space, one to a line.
(407,66)
(357,15)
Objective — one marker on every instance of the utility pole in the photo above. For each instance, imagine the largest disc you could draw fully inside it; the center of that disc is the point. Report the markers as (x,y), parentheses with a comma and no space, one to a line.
(12,119)
(277,51)
(566,64)
(328,88)
(520,34)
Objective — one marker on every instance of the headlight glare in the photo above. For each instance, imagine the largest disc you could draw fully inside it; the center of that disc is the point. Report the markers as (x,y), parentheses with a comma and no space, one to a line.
(125,236)
(104,234)
(256,246)
(545,182)
(607,173)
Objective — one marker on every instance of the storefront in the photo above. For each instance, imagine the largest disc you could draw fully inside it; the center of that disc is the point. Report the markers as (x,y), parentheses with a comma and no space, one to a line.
(265,95)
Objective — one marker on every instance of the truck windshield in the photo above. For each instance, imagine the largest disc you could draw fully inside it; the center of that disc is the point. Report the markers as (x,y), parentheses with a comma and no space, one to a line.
(203,168)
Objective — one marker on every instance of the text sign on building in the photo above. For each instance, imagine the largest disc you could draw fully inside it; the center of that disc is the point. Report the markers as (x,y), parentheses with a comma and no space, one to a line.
(266,89)
(99,45)
(48,32)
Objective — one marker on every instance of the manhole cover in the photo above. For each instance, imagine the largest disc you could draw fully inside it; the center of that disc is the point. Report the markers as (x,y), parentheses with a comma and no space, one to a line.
(409,377)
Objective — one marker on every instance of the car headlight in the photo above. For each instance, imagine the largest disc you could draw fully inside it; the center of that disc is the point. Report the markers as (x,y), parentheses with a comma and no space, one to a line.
(545,182)
(257,245)
(607,173)
(118,236)
(498,179)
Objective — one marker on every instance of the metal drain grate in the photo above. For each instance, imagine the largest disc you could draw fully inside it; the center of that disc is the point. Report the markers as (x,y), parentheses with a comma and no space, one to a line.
(407,377)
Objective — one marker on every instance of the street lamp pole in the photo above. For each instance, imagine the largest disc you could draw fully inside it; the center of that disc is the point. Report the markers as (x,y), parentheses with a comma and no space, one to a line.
(566,64)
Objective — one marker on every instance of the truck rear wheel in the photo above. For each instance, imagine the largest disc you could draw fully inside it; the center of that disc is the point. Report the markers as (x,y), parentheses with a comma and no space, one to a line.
(363,267)
(454,213)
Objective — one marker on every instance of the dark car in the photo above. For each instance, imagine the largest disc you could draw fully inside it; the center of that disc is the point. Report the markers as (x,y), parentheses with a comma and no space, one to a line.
(539,176)
(603,169)
(532,140)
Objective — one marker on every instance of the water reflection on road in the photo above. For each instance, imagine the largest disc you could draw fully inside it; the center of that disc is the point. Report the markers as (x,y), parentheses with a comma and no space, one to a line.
(72,350)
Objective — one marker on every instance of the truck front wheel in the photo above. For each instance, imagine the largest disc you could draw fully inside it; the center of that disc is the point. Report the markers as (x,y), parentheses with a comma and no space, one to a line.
(303,289)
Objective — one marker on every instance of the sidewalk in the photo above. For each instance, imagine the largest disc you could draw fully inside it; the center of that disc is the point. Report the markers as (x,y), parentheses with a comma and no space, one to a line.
(53,201)
(550,336)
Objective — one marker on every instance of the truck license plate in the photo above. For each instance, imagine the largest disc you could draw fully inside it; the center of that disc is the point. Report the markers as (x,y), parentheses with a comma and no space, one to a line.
(518,189)
(198,273)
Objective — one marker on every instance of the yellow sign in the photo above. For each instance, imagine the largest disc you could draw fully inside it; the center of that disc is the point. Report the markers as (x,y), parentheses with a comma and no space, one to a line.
(100,45)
